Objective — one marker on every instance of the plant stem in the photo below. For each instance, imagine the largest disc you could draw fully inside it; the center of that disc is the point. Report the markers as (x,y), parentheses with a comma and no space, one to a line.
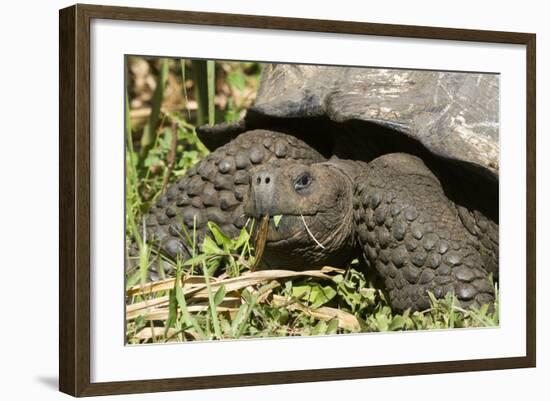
(211,303)
(211,77)
(183,79)
(201,89)
(171,158)
(150,130)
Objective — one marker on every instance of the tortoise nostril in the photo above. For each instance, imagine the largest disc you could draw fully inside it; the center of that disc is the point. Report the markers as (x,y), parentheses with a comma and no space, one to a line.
(262,178)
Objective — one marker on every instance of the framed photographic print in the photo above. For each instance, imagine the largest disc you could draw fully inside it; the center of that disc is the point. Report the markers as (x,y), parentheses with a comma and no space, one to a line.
(251,200)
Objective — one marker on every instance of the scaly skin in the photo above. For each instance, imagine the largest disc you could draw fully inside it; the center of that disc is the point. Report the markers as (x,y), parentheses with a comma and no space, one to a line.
(411,233)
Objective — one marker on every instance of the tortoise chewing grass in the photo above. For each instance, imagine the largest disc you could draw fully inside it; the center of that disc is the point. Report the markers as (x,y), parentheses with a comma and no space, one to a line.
(397,168)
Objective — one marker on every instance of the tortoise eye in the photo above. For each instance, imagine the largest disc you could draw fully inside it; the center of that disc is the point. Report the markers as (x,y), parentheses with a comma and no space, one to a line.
(302,182)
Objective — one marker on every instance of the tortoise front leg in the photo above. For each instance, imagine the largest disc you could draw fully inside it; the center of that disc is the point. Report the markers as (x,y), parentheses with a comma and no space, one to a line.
(412,235)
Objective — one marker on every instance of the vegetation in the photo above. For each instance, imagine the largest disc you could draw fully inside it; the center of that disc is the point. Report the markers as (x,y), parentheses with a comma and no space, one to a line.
(218,294)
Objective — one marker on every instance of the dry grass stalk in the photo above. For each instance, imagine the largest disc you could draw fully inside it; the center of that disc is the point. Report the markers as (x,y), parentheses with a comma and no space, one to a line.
(197,286)
(345,320)
(195,292)
(154,332)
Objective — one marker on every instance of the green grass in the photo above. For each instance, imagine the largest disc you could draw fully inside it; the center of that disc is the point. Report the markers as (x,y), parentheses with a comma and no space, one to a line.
(217,294)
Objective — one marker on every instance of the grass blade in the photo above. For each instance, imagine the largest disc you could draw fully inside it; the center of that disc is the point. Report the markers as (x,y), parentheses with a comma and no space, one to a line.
(201,89)
(212,303)
(211,78)
(183,80)
(150,130)
(186,316)
(128,124)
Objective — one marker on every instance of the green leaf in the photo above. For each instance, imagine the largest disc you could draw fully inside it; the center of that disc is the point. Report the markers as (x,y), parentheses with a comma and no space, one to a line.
(277,219)
(245,294)
(244,238)
(213,265)
(166,140)
(320,328)
(382,322)
(315,294)
(220,295)
(369,294)
(186,316)
(237,321)
(196,260)
(237,79)
(219,236)
(144,255)
(288,287)
(211,303)
(397,323)
(483,310)
(332,326)
(225,326)
(323,295)
(299,291)
(283,316)
(132,280)
(209,247)
(172,311)
(152,160)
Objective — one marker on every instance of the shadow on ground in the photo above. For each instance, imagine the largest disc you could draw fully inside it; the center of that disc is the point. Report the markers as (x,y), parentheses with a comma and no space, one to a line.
(49,381)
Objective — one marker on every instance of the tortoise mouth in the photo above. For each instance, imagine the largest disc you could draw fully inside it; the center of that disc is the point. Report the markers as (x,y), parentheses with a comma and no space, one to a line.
(285,228)
(259,217)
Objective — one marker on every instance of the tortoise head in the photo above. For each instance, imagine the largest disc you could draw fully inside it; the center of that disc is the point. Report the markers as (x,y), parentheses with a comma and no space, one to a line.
(311,213)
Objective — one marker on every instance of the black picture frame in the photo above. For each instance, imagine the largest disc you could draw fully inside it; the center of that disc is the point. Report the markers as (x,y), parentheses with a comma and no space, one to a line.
(74,199)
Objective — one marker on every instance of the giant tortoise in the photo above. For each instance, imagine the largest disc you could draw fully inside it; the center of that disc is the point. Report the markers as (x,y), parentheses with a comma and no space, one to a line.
(396,167)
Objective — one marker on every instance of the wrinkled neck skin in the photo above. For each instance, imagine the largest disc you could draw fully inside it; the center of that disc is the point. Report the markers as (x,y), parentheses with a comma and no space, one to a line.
(304,240)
